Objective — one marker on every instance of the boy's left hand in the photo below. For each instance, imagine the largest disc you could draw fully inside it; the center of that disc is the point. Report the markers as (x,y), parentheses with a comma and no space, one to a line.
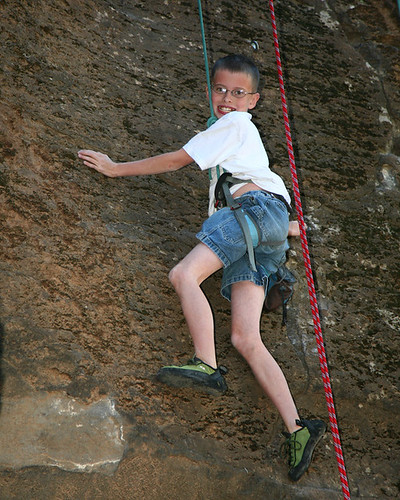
(99,161)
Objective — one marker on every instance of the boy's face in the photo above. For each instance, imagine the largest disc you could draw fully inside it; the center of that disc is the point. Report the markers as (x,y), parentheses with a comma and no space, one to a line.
(226,102)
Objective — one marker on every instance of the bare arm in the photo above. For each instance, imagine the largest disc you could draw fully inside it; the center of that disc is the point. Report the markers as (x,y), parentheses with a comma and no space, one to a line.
(166,162)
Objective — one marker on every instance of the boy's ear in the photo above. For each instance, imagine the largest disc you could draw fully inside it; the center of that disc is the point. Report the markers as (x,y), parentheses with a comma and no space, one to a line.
(254,100)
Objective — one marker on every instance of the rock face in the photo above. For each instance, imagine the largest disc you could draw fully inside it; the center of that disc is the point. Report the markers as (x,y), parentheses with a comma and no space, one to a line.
(59,431)
(87,312)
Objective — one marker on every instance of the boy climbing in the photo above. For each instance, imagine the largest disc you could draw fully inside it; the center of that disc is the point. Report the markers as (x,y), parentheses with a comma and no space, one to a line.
(232,144)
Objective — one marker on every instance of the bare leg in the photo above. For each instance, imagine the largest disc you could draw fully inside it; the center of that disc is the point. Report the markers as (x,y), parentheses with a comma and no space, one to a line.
(247,302)
(186,278)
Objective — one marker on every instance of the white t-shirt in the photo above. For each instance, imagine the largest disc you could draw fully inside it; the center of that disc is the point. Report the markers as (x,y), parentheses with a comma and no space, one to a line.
(234,144)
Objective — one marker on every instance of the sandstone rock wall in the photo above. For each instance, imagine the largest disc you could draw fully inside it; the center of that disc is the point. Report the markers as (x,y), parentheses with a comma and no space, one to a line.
(87,313)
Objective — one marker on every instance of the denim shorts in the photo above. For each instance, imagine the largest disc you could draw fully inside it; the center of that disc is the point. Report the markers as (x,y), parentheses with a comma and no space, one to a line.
(223,235)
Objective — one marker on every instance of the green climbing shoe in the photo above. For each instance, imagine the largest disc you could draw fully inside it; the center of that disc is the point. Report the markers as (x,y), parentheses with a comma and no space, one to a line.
(195,374)
(300,446)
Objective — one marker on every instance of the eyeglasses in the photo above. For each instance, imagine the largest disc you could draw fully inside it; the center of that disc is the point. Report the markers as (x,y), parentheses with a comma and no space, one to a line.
(238,93)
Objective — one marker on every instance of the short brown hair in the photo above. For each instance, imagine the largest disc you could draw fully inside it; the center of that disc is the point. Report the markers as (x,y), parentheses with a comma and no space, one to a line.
(237,63)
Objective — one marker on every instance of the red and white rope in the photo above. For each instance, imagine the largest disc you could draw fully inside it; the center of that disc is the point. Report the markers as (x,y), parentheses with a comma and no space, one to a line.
(309,273)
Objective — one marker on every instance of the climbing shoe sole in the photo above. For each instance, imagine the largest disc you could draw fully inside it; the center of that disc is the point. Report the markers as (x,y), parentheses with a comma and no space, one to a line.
(175,376)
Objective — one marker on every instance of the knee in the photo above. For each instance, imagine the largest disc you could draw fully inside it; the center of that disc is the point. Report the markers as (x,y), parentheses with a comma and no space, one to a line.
(175,276)
(237,340)
(178,276)
(243,343)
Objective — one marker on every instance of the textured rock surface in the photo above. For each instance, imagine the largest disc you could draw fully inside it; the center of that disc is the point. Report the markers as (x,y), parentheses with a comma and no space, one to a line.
(61,432)
(87,313)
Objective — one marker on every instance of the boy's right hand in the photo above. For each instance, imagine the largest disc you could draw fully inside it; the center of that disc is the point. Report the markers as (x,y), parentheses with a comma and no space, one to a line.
(294,229)
(99,161)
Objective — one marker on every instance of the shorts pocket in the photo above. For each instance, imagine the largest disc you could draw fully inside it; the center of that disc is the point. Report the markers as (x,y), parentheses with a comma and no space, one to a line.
(273,221)
(231,230)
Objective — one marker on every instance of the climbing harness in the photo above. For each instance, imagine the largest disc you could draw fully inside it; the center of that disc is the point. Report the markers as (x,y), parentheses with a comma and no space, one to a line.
(248,226)
(306,253)
(280,285)
(250,229)
(309,273)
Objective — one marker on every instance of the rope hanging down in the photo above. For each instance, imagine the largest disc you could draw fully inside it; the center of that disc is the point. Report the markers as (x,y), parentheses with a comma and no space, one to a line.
(309,274)
(213,118)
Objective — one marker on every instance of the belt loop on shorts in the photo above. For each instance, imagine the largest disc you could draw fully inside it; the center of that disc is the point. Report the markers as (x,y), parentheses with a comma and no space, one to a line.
(283,200)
